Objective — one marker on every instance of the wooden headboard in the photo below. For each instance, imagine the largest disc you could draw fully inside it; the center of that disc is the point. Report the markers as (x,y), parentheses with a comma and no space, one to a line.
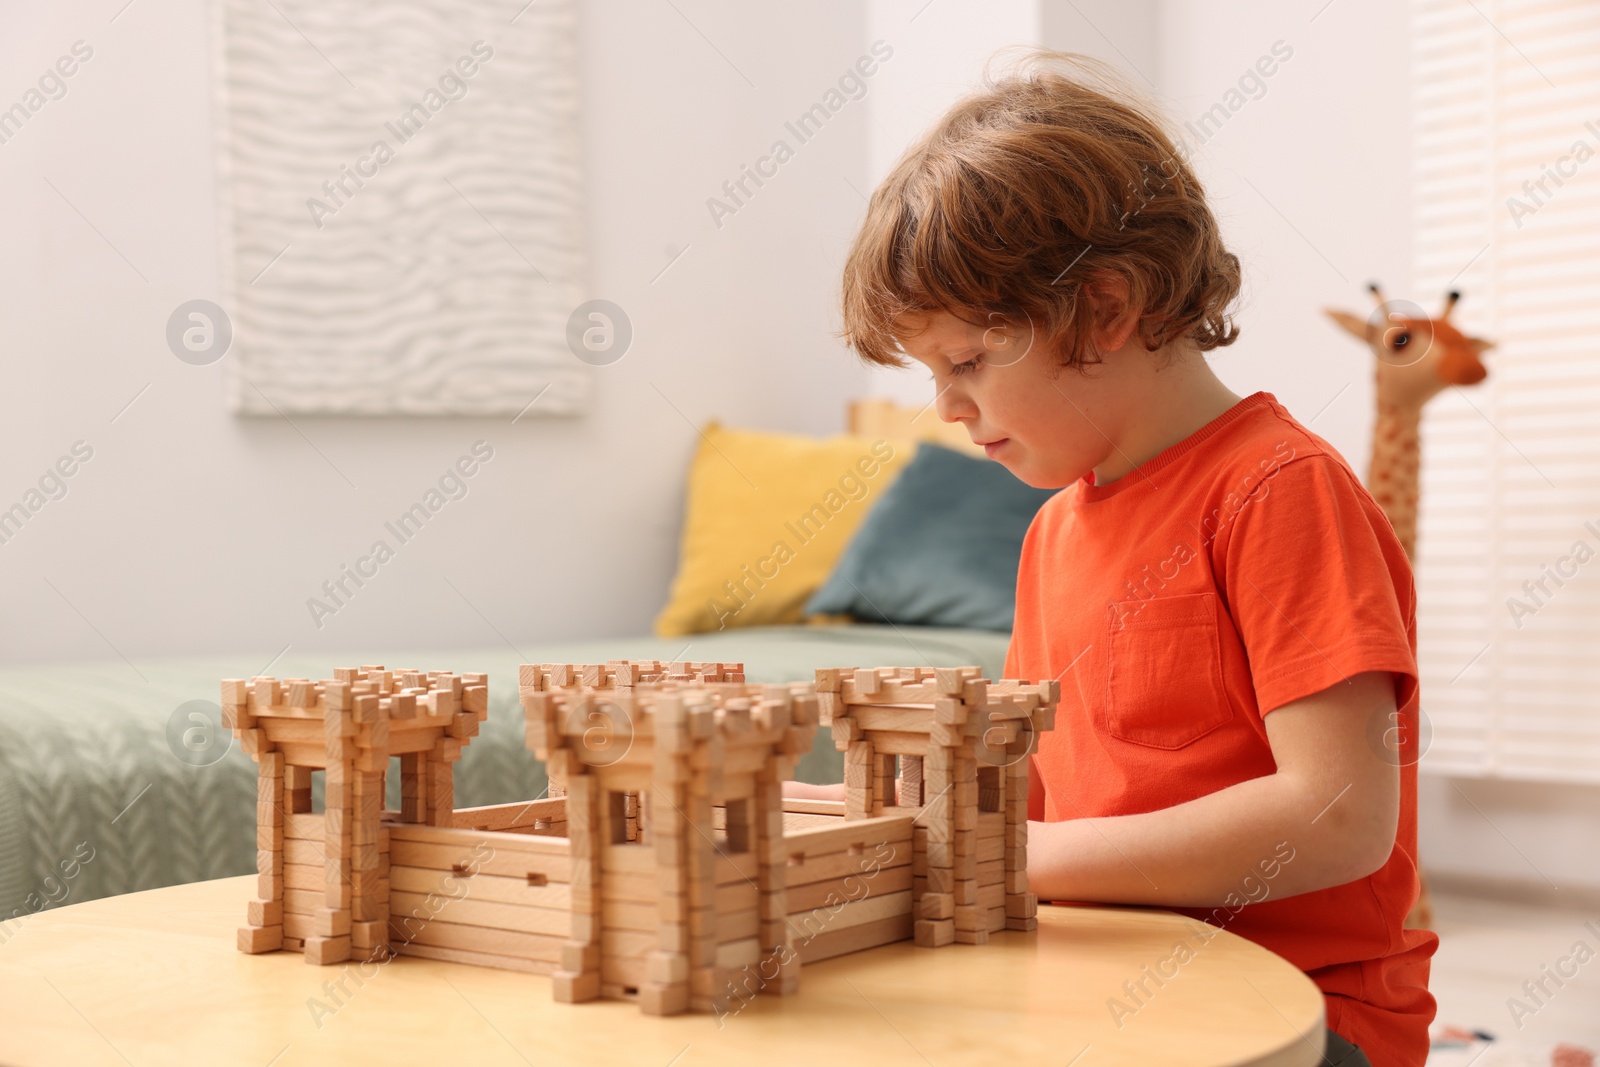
(896,422)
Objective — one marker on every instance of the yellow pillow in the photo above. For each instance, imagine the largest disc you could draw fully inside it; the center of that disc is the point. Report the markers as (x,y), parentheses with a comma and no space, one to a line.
(766,518)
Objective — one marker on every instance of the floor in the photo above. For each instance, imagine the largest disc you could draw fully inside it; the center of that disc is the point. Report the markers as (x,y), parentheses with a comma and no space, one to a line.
(1487,950)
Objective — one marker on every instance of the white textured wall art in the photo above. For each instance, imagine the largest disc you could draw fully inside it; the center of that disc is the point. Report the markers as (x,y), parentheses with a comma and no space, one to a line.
(401,202)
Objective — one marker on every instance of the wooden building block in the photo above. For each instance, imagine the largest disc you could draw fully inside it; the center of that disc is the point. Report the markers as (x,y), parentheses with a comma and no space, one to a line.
(269,837)
(657,999)
(933,933)
(254,939)
(264,913)
(567,987)
(369,935)
(297,789)
(325,950)
(1021,905)
(331,923)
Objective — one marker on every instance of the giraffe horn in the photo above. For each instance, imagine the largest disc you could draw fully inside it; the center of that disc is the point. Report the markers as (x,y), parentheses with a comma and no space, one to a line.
(1450,303)
(1377,294)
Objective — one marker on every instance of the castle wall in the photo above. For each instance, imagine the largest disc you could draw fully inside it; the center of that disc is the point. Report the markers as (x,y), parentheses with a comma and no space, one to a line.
(849,885)
(495,899)
(547,818)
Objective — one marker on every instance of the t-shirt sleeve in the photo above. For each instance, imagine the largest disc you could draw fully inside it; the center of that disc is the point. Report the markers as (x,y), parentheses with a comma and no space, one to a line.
(1317,583)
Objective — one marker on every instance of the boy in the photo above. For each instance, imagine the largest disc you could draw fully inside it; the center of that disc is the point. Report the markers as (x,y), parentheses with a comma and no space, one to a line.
(1228,611)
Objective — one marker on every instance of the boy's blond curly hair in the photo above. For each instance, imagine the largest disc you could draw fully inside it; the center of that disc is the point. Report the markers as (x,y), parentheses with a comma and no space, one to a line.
(1044,180)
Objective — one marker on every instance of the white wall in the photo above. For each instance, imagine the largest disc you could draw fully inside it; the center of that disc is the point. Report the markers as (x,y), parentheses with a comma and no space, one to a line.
(192,531)
(947,49)
(942,51)
(1312,183)
(1124,33)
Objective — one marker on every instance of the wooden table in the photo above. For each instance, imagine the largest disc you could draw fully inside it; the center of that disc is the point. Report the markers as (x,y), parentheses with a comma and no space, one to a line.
(154,978)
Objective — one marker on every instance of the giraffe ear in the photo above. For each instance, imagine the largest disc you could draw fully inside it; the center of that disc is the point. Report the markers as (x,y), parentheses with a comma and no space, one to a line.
(1479,345)
(1353,324)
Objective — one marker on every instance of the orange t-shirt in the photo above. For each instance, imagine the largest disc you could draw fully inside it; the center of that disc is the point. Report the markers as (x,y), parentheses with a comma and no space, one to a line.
(1239,570)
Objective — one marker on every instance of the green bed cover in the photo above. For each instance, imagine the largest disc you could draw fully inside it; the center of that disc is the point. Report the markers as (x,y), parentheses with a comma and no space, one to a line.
(93,800)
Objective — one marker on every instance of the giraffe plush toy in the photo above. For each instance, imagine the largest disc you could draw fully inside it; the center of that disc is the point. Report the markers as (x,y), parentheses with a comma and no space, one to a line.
(1416,358)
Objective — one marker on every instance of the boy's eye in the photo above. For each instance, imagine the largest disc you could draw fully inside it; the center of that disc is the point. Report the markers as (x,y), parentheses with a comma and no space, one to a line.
(969,365)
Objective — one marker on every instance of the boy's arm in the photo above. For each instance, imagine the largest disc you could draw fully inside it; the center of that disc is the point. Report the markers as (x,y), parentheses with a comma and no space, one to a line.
(1035,792)
(1334,799)
(807,791)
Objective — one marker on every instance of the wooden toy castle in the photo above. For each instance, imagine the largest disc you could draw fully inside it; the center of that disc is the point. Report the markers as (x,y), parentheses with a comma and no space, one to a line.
(666,867)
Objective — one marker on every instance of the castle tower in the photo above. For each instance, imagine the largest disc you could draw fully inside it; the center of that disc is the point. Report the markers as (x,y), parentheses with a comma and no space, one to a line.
(622,674)
(322,884)
(950,748)
(667,905)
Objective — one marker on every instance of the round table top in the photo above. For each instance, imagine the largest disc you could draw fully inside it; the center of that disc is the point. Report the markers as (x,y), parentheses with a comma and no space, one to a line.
(155,978)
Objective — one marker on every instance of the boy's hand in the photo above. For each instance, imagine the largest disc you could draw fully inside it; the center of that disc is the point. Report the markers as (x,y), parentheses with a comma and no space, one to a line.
(1333,800)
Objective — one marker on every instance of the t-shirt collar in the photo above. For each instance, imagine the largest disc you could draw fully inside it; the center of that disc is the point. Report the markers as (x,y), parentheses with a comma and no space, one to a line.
(1089,492)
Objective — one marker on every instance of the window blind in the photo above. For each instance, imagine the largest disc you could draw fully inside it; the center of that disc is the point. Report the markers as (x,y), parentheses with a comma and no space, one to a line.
(1507,181)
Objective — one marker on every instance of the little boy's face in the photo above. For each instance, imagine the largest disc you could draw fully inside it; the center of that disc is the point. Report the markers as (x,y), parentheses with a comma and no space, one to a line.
(1048,427)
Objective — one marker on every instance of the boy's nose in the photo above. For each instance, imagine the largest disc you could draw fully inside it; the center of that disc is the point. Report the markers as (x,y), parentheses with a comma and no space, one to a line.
(952,405)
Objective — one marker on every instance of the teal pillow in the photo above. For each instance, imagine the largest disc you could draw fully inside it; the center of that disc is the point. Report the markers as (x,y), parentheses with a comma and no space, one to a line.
(940,548)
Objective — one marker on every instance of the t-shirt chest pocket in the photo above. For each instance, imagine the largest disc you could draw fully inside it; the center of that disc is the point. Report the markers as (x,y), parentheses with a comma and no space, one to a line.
(1164,675)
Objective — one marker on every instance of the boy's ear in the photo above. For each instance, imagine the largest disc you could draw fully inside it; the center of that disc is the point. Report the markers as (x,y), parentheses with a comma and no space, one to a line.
(1115,315)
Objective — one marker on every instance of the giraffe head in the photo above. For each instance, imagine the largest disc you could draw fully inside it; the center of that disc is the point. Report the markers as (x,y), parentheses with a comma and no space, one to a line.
(1416,356)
